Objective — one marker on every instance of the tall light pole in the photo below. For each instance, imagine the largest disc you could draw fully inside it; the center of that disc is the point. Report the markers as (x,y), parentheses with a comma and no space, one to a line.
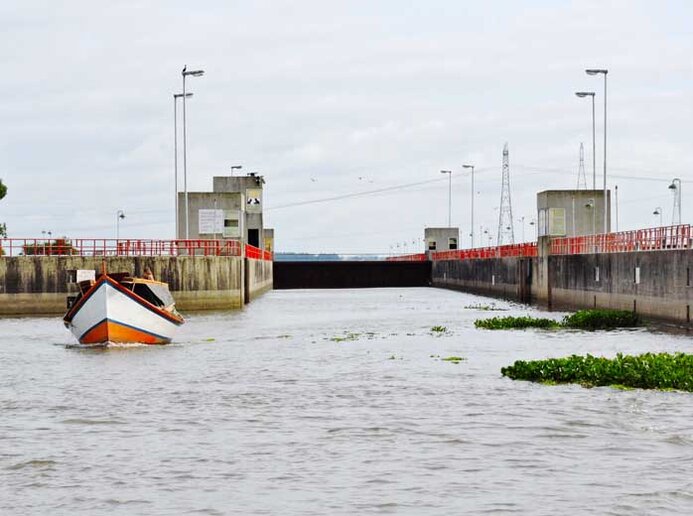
(597,71)
(235,167)
(120,215)
(449,173)
(176,96)
(658,211)
(195,73)
(583,94)
(676,187)
(471,232)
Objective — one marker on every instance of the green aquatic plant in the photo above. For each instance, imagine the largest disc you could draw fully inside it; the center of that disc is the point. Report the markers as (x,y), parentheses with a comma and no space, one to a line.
(597,319)
(600,319)
(453,359)
(510,322)
(486,308)
(439,329)
(663,371)
(348,337)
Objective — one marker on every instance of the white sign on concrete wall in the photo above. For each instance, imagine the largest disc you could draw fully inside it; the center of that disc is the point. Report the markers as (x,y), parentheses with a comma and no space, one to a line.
(210,222)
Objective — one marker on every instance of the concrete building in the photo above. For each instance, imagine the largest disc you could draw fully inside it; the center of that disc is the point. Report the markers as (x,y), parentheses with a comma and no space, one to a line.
(572,212)
(232,210)
(442,239)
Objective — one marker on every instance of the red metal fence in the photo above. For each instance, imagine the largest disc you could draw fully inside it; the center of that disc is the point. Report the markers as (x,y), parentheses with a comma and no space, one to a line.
(651,239)
(113,247)
(421,257)
(257,254)
(503,251)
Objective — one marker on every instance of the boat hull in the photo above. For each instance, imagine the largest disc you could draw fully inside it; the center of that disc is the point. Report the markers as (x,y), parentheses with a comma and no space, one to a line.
(108,312)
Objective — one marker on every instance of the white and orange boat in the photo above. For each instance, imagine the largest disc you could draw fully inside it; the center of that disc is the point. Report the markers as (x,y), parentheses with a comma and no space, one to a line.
(117,308)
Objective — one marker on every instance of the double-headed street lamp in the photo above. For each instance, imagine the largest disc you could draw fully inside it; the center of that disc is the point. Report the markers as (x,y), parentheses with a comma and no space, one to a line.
(185,73)
(583,94)
(597,71)
(471,232)
(176,96)
(449,173)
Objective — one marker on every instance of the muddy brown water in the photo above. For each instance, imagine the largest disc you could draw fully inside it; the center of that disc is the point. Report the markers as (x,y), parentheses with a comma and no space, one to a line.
(334,402)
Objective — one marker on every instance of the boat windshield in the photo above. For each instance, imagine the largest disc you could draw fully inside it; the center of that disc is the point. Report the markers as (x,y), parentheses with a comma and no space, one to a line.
(158,295)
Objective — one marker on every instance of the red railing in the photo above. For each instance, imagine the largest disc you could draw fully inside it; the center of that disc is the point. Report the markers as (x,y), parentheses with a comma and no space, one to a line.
(113,247)
(480,253)
(257,254)
(421,257)
(651,239)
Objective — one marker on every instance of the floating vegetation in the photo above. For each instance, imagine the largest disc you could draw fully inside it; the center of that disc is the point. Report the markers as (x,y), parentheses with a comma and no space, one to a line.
(453,359)
(601,319)
(663,371)
(486,308)
(439,329)
(597,319)
(210,339)
(510,322)
(348,337)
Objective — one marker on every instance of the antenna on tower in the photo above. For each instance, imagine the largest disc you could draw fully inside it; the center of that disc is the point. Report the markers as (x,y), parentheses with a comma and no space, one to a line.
(506,233)
(582,180)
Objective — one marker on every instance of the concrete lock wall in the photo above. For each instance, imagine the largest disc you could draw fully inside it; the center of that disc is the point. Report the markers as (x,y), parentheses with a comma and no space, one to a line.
(654,284)
(509,278)
(34,285)
(259,274)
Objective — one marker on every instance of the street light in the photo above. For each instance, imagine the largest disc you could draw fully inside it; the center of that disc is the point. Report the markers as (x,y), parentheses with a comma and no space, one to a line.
(194,73)
(676,187)
(449,173)
(176,96)
(235,167)
(471,233)
(597,71)
(120,215)
(583,94)
(658,211)
(590,206)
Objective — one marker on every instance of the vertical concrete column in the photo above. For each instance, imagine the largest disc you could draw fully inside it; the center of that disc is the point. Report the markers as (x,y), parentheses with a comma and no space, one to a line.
(542,276)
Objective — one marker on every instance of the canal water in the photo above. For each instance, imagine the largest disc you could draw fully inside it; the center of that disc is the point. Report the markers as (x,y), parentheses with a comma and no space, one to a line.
(334,402)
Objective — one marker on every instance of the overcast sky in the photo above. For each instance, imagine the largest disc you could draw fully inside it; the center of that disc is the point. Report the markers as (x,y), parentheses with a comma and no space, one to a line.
(331,98)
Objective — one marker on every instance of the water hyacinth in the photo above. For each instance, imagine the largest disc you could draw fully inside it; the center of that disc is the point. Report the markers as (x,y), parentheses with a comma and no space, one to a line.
(510,322)
(598,319)
(663,371)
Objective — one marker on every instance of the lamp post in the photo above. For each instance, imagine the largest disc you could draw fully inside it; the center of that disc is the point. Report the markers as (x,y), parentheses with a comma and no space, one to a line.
(597,71)
(235,167)
(658,211)
(471,232)
(120,215)
(676,187)
(449,173)
(176,96)
(583,94)
(194,73)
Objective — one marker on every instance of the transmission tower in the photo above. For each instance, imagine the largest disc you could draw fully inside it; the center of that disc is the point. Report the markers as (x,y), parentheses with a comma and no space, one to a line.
(506,234)
(582,180)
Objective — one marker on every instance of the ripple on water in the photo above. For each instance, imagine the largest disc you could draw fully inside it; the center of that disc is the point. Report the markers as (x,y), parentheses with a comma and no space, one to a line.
(282,420)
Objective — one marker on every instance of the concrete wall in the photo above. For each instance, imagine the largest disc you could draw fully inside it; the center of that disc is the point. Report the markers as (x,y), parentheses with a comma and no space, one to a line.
(664,291)
(508,278)
(33,285)
(259,278)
